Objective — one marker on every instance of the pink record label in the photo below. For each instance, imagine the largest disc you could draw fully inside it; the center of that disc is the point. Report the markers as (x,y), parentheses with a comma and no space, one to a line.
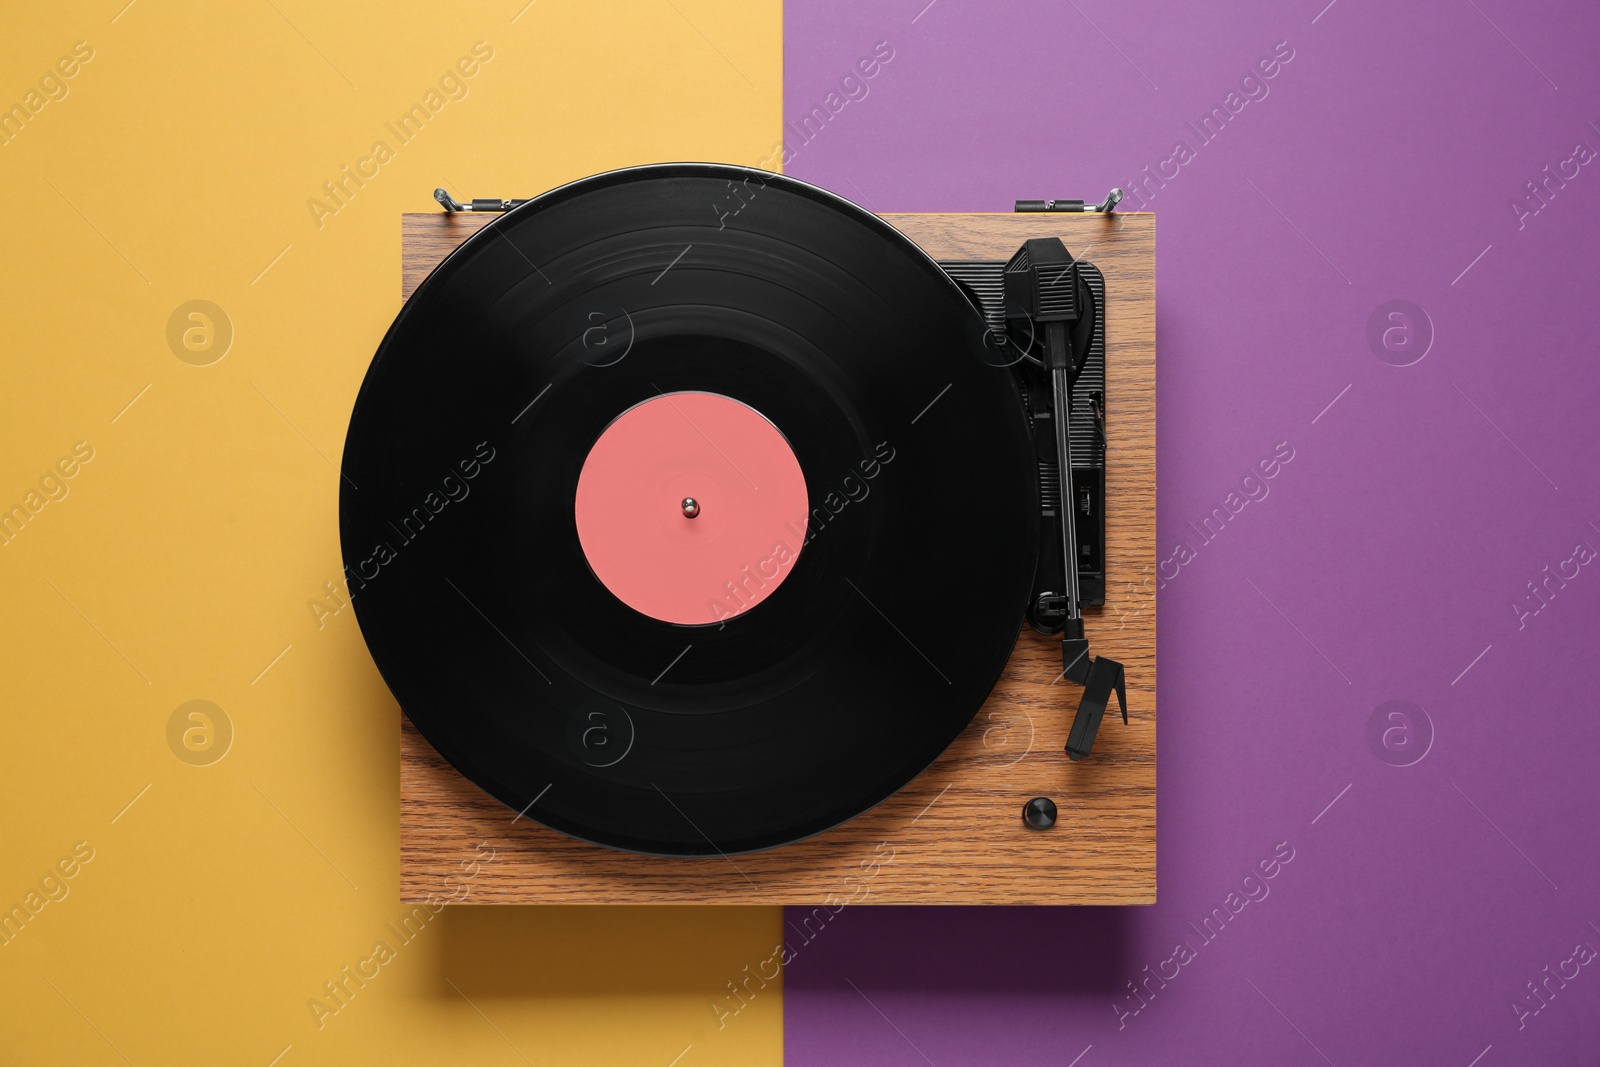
(691,508)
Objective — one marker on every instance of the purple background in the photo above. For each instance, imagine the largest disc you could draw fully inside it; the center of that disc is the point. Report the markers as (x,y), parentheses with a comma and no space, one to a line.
(1381,165)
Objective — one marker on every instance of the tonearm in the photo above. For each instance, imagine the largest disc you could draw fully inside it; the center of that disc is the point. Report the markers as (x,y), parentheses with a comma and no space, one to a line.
(1051,316)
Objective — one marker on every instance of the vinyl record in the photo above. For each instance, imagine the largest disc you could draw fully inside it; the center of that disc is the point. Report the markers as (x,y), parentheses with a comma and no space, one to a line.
(681,514)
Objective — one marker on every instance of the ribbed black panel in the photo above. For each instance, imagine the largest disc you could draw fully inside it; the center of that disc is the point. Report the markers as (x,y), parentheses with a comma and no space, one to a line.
(985,279)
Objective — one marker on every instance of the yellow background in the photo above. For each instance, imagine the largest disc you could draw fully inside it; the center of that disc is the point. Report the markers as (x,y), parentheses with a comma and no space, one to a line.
(181,561)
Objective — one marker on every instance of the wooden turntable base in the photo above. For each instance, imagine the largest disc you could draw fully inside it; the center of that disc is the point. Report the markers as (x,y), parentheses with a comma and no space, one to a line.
(955,834)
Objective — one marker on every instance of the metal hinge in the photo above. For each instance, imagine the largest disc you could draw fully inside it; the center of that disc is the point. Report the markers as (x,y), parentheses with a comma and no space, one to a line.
(1105,207)
(451,204)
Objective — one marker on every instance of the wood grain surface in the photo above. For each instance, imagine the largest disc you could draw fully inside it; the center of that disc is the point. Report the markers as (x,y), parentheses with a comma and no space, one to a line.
(955,834)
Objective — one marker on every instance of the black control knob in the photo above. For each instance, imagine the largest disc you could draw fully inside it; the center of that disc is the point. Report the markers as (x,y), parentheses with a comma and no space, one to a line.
(1039,813)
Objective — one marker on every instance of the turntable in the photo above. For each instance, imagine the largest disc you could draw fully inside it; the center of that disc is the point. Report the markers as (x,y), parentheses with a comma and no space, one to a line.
(724,542)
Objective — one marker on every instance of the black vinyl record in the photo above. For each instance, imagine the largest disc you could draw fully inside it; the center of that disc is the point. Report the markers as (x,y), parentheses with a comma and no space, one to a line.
(474,593)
